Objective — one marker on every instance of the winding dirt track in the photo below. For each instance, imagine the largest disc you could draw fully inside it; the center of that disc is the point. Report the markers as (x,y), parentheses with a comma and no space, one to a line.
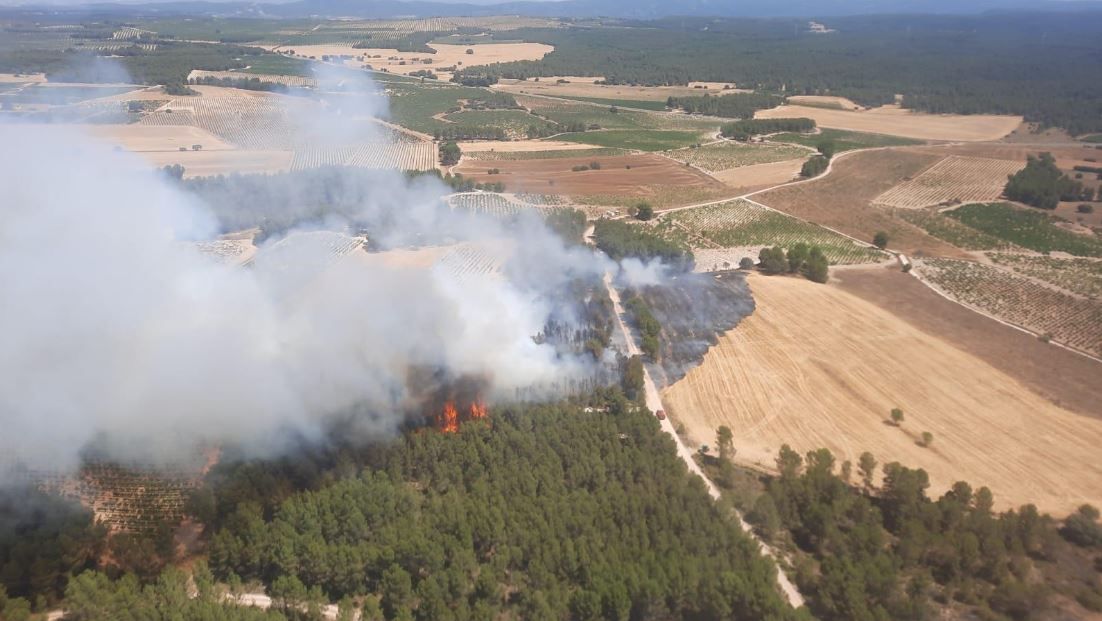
(815,367)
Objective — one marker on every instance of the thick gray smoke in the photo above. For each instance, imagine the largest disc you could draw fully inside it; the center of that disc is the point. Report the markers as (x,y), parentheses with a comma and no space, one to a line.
(115,330)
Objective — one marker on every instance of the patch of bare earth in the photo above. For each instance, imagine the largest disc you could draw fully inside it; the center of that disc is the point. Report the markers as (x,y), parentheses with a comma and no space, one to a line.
(816,366)
(760,176)
(628,175)
(842,199)
(1064,378)
(897,121)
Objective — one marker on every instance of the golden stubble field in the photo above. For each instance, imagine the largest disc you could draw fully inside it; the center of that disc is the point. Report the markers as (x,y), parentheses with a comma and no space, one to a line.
(447,55)
(897,121)
(815,367)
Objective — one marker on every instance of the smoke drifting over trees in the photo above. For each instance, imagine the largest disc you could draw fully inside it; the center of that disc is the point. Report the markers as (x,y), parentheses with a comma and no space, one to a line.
(120,334)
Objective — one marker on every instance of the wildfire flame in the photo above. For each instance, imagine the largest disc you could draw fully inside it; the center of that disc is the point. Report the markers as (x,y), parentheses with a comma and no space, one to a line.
(478,410)
(449,418)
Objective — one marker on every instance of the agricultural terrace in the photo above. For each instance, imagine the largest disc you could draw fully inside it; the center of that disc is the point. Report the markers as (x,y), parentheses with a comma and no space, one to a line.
(1067,319)
(746,226)
(1026,227)
(720,156)
(815,366)
(490,204)
(248,121)
(953,180)
(1079,276)
(896,121)
(396,154)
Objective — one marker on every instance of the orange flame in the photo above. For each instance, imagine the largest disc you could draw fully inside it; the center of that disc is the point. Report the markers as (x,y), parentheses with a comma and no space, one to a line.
(478,410)
(449,420)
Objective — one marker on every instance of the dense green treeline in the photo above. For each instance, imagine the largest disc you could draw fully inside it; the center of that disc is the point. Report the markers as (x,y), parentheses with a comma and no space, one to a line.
(748,128)
(644,321)
(543,512)
(621,240)
(962,64)
(42,540)
(734,106)
(899,554)
(1042,184)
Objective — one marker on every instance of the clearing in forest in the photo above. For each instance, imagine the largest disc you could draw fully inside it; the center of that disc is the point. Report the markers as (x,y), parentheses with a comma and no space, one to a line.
(953,180)
(897,121)
(829,377)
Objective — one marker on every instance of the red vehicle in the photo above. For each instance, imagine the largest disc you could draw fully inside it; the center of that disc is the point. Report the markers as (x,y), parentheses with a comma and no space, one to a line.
(661,414)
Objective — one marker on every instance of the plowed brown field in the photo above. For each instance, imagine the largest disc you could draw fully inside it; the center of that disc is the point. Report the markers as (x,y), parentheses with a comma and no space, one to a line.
(554,176)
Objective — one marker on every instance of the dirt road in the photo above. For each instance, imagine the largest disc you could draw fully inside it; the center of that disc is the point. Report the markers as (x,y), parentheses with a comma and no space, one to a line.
(654,403)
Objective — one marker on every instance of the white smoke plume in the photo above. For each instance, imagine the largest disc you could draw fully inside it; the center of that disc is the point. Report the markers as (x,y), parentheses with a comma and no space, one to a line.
(114,331)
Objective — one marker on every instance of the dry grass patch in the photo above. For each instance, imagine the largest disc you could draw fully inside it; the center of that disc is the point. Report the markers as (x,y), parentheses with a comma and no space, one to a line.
(157,137)
(896,121)
(208,163)
(828,378)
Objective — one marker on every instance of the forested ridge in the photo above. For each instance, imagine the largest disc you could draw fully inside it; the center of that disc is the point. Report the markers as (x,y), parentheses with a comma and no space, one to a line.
(1044,66)
(868,551)
(544,512)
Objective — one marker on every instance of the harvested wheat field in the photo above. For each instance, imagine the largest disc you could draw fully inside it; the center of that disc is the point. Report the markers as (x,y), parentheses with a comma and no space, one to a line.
(758,176)
(157,137)
(897,121)
(824,101)
(208,163)
(619,175)
(955,179)
(446,55)
(842,199)
(829,378)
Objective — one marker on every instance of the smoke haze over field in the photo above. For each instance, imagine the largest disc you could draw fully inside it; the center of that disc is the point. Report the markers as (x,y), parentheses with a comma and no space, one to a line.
(116,332)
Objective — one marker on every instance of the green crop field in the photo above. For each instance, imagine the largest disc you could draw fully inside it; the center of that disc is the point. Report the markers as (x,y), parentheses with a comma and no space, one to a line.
(740,223)
(412,105)
(1030,229)
(513,121)
(278,64)
(726,155)
(568,112)
(643,140)
(622,103)
(1093,138)
(845,140)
